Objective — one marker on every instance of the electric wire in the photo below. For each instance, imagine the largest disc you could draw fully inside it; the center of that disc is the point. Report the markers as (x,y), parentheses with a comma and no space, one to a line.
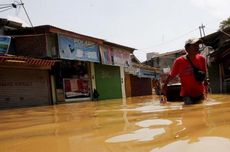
(169,41)
(26,13)
(9,6)
(6,9)
(4,4)
(224,33)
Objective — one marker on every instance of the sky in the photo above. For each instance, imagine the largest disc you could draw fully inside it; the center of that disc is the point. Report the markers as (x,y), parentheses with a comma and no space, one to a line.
(146,25)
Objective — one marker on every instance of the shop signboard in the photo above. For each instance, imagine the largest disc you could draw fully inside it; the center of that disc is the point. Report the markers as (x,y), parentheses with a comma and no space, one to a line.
(106,55)
(132,70)
(4,44)
(115,56)
(76,49)
(146,74)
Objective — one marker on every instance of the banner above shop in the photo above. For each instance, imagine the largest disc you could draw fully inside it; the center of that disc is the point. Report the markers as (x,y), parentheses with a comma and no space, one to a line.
(146,74)
(4,44)
(115,56)
(132,70)
(76,49)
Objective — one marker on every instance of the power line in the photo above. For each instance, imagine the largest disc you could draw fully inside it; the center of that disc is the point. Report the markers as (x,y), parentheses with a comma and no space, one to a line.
(26,13)
(5,7)
(224,33)
(169,41)
(8,6)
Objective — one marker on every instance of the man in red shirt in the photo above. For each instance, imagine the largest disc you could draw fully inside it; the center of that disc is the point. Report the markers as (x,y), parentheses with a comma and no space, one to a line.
(192,91)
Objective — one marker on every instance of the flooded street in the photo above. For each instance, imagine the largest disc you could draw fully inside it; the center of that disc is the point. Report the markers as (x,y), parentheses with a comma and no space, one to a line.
(138,124)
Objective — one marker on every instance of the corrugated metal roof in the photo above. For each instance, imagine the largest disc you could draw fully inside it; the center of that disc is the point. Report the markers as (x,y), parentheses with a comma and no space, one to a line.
(169,53)
(145,67)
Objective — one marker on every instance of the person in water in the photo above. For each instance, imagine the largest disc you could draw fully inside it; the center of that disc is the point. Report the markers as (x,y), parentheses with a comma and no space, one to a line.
(192,90)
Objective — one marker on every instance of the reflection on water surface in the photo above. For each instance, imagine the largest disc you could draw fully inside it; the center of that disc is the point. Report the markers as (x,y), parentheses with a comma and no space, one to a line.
(133,124)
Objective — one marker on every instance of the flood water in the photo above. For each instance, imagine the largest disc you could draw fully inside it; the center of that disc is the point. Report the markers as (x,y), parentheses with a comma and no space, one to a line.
(138,124)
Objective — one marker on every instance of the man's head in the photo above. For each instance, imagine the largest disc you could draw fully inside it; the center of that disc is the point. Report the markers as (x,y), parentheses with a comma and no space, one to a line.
(192,45)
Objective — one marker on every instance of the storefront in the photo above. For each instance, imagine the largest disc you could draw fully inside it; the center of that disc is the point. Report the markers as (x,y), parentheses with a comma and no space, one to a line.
(73,73)
(24,82)
(108,81)
(73,80)
(138,80)
(109,75)
(73,49)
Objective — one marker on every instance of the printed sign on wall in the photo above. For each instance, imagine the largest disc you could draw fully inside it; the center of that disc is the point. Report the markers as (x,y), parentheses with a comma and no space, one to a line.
(4,44)
(106,55)
(74,88)
(76,49)
(115,56)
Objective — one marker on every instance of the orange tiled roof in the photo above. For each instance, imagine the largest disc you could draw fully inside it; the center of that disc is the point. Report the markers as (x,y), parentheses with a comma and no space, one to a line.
(27,60)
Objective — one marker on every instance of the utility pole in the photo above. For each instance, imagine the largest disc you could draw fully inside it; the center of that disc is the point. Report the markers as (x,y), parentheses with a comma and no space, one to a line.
(201,28)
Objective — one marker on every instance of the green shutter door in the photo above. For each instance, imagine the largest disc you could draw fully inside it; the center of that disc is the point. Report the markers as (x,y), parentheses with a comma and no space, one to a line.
(108,81)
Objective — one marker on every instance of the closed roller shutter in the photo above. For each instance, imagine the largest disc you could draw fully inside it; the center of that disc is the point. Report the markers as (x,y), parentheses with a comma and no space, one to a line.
(24,87)
(108,81)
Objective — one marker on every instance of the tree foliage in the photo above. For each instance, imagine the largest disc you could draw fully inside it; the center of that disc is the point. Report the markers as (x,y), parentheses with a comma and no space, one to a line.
(225,23)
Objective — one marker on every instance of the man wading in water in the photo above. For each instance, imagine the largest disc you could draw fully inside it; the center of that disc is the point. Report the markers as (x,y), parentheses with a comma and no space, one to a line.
(193,89)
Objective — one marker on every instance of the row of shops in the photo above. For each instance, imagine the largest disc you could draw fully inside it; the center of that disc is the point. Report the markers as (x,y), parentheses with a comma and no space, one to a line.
(47,65)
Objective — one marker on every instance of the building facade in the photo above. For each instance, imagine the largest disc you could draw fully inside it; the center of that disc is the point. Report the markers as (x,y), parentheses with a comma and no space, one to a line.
(84,63)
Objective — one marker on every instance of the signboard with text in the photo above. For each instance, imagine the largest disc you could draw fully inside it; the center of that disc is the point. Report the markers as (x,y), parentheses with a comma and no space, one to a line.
(4,44)
(76,49)
(115,56)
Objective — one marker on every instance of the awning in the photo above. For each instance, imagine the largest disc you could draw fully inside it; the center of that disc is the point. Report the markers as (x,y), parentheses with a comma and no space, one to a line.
(26,60)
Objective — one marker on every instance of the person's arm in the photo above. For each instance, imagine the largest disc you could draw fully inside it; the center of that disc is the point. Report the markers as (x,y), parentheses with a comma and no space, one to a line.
(174,72)
(206,83)
(164,87)
(206,80)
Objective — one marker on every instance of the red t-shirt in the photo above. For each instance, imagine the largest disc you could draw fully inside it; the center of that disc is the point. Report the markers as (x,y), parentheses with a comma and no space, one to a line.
(189,85)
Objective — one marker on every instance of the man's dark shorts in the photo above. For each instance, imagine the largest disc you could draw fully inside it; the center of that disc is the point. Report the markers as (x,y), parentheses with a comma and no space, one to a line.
(193,100)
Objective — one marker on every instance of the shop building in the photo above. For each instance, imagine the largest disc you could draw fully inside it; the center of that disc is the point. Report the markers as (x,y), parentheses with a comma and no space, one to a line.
(109,74)
(139,78)
(24,81)
(86,63)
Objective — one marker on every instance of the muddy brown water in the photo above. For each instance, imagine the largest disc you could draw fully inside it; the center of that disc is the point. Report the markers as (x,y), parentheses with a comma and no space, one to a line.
(139,124)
